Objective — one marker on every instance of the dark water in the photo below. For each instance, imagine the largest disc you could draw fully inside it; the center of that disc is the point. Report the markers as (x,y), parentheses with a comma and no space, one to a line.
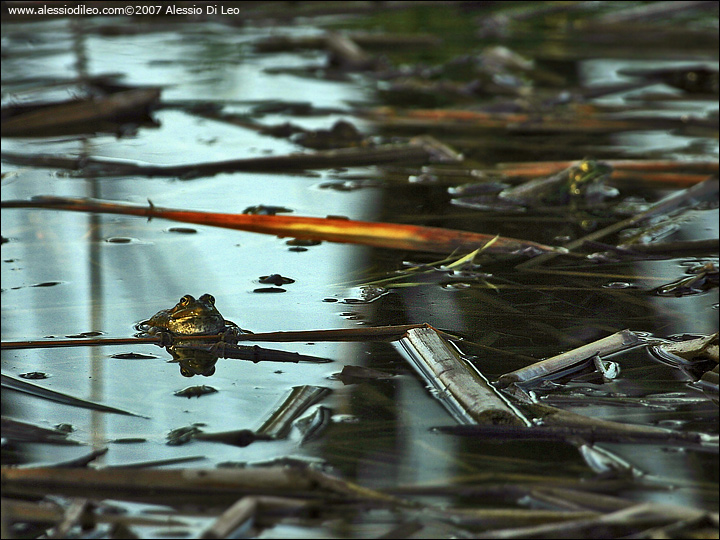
(381,435)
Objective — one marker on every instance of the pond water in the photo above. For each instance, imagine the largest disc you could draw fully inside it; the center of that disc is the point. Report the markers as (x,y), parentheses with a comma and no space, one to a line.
(105,286)
(65,273)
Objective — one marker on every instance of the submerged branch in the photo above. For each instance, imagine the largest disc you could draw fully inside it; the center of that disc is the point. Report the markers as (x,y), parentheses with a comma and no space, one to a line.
(420,150)
(589,434)
(38,391)
(619,524)
(469,121)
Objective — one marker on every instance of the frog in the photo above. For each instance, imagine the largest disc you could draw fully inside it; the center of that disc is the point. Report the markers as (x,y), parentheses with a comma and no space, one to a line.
(581,182)
(189,317)
(192,317)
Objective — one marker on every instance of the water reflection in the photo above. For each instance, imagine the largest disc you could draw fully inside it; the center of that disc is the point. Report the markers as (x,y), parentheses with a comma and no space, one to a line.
(194,361)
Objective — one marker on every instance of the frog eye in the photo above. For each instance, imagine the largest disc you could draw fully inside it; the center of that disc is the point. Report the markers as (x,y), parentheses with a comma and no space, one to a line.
(210,298)
(185,300)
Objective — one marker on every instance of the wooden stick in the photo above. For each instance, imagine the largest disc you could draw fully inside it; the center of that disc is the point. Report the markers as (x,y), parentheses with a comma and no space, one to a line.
(388,235)
(462,121)
(462,389)
(179,486)
(589,434)
(420,151)
(41,511)
(603,347)
(74,113)
(14,430)
(377,333)
(297,402)
(59,397)
(622,522)
(239,515)
(47,344)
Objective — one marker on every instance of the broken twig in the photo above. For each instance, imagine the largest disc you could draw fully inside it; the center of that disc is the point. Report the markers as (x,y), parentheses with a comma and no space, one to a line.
(462,389)
(567,360)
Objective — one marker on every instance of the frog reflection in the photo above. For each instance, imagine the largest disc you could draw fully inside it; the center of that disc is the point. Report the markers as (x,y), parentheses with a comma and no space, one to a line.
(191,317)
(194,361)
(581,183)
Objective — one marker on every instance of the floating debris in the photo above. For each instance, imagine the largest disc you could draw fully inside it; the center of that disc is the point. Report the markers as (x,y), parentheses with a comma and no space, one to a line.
(195,391)
(34,375)
(183,435)
(300,398)
(89,334)
(302,242)
(275,279)
(266,210)
(133,356)
(703,278)
(314,425)
(692,355)
(355,374)
(119,240)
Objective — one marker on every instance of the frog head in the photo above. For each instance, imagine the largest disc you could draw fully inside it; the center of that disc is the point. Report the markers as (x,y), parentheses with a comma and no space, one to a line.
(585,174)
(190,316)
